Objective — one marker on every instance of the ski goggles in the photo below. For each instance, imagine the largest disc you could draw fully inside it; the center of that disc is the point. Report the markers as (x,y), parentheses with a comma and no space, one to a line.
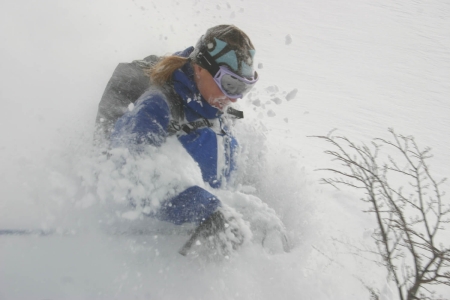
(232,85)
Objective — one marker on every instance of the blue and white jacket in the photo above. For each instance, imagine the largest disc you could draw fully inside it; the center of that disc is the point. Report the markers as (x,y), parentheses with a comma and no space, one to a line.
(213,148)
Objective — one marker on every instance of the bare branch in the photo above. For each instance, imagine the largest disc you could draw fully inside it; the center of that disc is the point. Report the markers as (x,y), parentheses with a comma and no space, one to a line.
(410,218)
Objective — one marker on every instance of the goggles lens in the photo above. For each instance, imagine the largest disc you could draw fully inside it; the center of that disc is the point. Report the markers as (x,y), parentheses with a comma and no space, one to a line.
(232,85)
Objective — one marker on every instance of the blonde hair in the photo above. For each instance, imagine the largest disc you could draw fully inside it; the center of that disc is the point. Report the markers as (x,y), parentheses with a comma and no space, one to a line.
(162,71)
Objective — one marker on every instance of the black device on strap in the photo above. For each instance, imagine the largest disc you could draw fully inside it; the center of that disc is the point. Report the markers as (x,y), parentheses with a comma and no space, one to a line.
(238,114)
(207,61)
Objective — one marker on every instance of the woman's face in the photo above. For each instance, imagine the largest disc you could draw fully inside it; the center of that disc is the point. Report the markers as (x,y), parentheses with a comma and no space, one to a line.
(209,89)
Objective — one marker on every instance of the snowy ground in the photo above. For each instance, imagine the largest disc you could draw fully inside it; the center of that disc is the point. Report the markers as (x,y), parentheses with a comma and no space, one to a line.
(360,66)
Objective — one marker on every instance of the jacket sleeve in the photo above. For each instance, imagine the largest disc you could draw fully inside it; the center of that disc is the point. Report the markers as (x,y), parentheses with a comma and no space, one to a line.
(146,124)
(193,205)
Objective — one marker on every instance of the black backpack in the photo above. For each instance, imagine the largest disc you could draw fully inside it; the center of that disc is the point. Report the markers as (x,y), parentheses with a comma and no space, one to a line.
(127,84)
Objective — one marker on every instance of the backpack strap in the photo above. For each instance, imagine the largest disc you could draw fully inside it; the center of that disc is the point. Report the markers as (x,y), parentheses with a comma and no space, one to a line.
(178,124)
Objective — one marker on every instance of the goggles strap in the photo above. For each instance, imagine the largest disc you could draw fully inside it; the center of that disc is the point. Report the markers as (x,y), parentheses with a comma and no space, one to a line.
(206,60)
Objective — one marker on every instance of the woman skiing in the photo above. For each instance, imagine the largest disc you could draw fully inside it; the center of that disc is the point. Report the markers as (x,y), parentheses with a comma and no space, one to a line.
(189,97)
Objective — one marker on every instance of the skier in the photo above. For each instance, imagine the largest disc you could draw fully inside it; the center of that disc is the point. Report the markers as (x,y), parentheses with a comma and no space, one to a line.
(189,96)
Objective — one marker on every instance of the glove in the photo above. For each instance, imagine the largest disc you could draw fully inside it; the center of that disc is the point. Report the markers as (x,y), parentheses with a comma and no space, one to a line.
(220,235)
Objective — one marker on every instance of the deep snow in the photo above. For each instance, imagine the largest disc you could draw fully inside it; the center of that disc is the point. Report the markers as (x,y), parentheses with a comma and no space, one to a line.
(358,66)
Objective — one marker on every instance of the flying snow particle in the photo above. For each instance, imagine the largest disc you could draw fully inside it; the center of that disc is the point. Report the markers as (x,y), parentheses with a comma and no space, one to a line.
(260,66)
(291,95)
(233,15)
(256,102)
(286,120)
(271,113)
(272,89)
(130,107)
(277,100)
(288,40)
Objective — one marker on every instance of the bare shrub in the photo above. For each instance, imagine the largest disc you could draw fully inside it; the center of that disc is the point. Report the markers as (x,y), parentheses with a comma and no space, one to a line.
(408,205)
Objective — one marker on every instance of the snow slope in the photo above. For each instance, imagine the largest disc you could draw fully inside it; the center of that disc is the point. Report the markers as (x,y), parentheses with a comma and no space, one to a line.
(358,66)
